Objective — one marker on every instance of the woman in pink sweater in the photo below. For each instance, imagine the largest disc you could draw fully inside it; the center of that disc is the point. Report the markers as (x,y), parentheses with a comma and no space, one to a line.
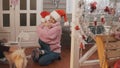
(50,35)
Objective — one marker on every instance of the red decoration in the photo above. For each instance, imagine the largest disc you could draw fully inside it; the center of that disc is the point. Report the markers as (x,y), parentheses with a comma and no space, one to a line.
(102,20)
(117,64)
(93,6)
(81,45)
(77,28)
(109,10)
(95,23)
(106,9)
(83,37)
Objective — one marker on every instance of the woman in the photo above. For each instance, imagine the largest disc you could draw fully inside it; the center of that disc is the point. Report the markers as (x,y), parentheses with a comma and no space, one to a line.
(52,36)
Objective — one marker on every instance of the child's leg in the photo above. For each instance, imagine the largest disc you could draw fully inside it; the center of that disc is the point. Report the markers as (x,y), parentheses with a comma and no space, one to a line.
(48,58)
(38,52)
(44,46)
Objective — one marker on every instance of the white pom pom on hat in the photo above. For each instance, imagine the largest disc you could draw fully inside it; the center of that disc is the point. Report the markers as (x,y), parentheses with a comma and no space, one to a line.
(66,24)
(58,14)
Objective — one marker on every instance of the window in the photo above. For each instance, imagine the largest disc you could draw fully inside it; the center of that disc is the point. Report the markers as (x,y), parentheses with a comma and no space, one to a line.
(23,19)
(32,19)
(23,4)
(33,4)
(6,20)
(5,5)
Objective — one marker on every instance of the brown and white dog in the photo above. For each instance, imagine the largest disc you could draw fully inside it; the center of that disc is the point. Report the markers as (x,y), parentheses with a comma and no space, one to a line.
(16,59)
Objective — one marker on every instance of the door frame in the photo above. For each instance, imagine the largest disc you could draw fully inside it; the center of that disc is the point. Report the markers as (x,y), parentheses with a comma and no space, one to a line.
(28,28)
(15,28)
(7,32)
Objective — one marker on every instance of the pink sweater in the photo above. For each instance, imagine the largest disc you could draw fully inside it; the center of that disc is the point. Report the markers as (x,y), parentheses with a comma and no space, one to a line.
(51,36)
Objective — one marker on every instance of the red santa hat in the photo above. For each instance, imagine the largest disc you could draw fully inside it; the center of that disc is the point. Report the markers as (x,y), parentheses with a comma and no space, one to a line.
(58,14)
(45,16)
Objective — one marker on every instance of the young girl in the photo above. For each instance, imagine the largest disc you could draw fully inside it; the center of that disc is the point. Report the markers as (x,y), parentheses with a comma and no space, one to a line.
(52,36)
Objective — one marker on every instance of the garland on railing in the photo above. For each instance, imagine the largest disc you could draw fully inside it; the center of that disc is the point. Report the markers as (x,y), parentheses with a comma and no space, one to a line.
(82,27)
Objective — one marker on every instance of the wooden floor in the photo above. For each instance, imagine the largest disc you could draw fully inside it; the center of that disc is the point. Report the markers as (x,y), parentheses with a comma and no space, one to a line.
(63,63)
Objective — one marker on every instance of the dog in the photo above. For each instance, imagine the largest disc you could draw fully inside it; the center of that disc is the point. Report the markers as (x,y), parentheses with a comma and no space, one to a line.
(16,59)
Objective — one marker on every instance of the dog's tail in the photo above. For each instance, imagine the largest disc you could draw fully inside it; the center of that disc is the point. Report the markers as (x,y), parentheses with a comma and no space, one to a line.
(19,58)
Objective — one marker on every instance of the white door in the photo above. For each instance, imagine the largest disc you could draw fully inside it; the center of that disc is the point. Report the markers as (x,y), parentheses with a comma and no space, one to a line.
(6,20)
(23,16)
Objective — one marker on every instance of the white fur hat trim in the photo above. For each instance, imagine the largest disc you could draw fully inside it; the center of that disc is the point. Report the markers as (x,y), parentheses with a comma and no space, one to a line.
(56,16)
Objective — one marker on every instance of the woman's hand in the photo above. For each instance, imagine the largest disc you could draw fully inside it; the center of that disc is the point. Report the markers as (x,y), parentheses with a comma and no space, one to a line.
(49,25)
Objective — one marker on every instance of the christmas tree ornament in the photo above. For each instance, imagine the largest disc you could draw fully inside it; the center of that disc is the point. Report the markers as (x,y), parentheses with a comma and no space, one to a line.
(93,6)
(83,37)
(102,19)
(95,21)
(107,9)
(77,27)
